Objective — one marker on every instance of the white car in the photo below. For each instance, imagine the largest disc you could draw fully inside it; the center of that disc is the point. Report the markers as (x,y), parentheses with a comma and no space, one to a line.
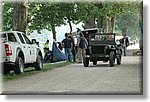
(18,52)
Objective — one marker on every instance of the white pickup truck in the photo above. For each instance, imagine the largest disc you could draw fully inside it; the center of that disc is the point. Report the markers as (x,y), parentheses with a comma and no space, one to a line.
(18,52)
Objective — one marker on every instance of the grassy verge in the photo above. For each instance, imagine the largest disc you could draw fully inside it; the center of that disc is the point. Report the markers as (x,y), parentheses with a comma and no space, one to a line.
(31,71)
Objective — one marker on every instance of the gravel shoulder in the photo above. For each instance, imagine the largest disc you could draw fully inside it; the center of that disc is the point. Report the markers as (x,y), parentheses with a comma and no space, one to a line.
(76,79)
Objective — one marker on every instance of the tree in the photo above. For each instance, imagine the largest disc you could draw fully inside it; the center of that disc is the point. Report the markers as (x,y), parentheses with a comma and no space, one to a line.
(45,16)
(49,15)
(7,15)
(20,13)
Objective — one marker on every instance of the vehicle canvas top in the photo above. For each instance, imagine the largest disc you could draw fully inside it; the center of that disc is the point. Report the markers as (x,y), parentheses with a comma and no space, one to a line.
(102,38)
(91,31)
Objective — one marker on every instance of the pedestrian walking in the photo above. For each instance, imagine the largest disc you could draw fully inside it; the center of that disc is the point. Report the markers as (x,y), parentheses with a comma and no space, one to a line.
(125,43)
(67,44)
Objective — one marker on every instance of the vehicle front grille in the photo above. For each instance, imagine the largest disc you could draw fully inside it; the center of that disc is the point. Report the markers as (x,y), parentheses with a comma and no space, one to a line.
(97,49)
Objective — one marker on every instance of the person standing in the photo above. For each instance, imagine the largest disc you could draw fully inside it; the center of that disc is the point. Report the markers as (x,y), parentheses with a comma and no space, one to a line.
(81,44)
(73,50)
(125,43)
(48,53)
(67,44)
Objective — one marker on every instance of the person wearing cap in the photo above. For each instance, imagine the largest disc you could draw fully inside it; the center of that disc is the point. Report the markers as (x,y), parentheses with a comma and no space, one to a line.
(67,45)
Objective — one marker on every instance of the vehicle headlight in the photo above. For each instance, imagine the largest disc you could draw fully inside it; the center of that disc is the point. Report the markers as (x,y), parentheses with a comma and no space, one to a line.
(112,46)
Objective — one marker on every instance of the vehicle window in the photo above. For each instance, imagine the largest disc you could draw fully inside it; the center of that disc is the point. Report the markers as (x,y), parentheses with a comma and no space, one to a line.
(95,37)
(21,38)
(26,39)
(3,37)
(11,37)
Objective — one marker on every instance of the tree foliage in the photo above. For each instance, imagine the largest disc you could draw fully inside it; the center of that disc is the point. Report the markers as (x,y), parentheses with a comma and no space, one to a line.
(49,15)
(7,16)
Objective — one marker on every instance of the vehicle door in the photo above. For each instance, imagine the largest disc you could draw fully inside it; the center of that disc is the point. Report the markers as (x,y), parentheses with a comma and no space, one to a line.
(25,48)
(31,48)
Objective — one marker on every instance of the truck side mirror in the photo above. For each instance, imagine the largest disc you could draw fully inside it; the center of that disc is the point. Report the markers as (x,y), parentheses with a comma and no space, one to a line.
(33,41)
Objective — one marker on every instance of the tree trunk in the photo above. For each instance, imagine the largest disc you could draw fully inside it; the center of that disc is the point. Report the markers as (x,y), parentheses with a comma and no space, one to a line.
(89,23)
(20,12)
(124,31)
(113,24)
(100,23)
(53,31)
(70,25)
(105,24)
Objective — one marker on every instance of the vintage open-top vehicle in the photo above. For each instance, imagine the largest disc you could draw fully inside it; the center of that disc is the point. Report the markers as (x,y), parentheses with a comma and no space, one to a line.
(101,47)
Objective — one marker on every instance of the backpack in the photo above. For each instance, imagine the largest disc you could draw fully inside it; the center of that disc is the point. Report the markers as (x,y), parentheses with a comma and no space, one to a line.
(83,43)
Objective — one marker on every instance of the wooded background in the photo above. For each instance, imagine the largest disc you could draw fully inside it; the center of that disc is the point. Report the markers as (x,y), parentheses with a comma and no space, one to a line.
(119,17)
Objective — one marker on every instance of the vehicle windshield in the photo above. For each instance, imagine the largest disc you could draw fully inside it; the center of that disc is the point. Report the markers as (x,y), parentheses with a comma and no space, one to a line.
(102,37)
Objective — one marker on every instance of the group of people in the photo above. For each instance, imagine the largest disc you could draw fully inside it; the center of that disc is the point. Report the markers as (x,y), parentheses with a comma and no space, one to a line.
(73,52)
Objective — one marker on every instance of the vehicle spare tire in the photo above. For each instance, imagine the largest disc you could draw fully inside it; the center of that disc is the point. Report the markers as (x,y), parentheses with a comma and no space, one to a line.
(112,59)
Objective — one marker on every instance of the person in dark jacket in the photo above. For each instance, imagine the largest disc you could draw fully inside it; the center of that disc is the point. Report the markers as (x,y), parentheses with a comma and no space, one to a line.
(125,43)
(81,44)
(60,46)
(67,44)
(73,50)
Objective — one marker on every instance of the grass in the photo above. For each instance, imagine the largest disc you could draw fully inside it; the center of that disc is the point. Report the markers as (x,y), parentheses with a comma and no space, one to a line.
(31,71)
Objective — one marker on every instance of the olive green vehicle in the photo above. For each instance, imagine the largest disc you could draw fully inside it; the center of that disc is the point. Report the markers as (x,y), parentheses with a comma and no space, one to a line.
(101,47)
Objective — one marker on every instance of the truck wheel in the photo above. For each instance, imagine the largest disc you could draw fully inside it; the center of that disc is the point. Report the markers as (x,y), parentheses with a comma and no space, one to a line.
(94,62)
(86,62)
(119,60)
(19,67)
(38,63)
(6,71)
(112,59)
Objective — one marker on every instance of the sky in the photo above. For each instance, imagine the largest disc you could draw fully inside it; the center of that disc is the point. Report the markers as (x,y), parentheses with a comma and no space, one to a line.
(60,32)
(66,29)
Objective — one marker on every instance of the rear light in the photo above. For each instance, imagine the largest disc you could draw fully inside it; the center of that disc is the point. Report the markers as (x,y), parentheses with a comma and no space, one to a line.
(8,50)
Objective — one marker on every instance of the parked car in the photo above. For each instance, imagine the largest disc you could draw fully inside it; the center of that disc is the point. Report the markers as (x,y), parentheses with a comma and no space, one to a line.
(19,52)
(102,47)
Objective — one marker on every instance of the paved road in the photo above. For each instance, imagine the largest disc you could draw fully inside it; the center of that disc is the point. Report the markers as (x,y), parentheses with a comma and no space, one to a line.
(76,79)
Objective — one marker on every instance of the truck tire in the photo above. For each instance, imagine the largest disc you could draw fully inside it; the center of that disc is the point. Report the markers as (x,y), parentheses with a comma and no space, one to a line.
(6,70)
(39,63)
(19,67)
(94,62)
(85,61)
(119,60)
(112,59)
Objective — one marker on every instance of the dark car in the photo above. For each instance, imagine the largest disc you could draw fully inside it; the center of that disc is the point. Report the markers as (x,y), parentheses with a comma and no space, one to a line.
(102,47)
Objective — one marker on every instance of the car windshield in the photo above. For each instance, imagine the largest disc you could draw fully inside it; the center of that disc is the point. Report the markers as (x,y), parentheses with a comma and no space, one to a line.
(102,37)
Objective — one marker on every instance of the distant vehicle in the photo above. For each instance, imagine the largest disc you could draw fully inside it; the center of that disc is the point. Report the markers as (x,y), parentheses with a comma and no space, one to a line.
(19,52)
(102,47)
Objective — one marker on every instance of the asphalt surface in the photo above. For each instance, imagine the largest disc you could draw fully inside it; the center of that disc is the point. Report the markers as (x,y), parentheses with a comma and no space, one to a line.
(76,79)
